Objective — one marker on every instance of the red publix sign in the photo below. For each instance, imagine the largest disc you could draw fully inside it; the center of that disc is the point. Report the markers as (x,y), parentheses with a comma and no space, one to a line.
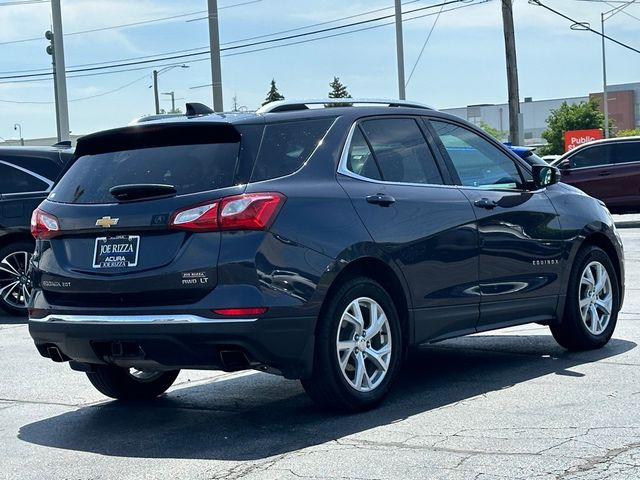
(575,138)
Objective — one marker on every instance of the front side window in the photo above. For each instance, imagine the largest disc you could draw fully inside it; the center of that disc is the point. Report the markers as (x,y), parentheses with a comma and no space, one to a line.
(477,162)
(399,152)
(13,180)
(591,157)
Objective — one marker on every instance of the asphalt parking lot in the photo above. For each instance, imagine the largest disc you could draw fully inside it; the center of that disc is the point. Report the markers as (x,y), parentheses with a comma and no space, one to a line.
(509,404)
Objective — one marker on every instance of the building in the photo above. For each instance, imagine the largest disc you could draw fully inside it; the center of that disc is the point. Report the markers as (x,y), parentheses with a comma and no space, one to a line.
(624,109)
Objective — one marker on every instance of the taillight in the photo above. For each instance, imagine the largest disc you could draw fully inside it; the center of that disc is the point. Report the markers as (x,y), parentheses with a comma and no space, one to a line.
(250,211)
(201,217)
(44,225)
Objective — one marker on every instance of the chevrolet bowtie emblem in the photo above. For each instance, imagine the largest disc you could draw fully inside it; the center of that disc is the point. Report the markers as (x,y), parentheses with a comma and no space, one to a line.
(106,222)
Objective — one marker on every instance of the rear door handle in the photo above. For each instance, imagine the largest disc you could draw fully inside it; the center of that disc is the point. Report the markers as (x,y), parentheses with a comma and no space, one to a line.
(485,203)
(381,199)
(604,174)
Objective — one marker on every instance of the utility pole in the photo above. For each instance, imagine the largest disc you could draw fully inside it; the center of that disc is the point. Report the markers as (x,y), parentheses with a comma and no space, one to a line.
(515,120)
(59,73)
(155,91)
(605,99)
(214,44)
(173,100)
(400,51)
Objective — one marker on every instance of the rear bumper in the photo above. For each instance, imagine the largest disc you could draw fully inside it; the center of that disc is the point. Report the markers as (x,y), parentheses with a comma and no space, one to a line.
(179,341)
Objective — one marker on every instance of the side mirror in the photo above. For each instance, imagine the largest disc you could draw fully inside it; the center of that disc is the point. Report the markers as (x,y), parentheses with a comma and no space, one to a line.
(544,175)
(563,165)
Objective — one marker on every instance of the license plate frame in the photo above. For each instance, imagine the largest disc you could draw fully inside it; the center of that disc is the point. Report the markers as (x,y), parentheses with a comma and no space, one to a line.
(121,251)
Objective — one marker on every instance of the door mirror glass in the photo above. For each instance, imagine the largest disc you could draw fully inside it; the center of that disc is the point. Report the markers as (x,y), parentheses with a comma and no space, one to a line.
(544,175)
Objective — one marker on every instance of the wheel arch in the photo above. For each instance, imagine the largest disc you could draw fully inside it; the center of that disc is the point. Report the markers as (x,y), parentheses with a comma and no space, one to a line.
(600,240)
(15,237)
(379,271)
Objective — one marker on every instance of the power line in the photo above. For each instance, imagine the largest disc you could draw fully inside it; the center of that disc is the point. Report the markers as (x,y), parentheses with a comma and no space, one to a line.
(124,70)
(23,2)
(132,24)
(584,26)
(424,45)
(235,47)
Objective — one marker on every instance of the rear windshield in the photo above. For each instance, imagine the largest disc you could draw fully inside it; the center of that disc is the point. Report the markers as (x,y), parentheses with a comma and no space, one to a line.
(188,168)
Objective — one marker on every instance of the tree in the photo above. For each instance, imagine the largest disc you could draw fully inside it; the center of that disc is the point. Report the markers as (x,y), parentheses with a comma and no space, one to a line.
(494,132)
(338,90)
(579,116)
(273,95)
(629,133)
(171,110)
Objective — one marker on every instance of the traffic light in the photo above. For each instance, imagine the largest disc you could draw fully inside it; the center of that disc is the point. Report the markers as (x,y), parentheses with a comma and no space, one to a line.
(49,36)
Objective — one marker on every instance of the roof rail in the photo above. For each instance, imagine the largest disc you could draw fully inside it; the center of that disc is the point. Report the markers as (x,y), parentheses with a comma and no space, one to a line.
(195,108)
(289,105)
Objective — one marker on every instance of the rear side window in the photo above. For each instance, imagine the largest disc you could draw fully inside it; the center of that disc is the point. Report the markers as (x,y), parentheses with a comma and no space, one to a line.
(287,146)
(189,168)
(13,180)
(361,160)
(626,152)
(401,151)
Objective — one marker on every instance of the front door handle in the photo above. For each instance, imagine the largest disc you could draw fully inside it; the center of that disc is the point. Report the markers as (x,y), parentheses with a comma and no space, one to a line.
(604,174)
(485,203)
(381,199)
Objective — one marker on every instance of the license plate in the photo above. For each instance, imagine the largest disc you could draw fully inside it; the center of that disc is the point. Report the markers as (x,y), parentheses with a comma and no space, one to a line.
(116,252)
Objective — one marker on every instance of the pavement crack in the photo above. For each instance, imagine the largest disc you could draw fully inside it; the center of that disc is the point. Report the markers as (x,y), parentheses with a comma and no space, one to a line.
(595,462)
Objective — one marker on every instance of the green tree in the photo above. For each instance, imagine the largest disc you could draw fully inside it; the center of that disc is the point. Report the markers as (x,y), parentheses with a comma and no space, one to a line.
(629,133)
(494,132)
(338,90)
(579,116)
(273,95)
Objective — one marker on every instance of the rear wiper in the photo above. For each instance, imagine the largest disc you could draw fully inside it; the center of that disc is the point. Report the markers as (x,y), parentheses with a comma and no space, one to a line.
(136,191)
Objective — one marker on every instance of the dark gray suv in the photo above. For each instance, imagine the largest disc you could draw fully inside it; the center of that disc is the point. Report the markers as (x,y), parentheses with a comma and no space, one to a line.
(315,243)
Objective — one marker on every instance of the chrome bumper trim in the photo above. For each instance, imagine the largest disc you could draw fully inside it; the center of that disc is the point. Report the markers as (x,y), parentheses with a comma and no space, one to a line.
(136,319)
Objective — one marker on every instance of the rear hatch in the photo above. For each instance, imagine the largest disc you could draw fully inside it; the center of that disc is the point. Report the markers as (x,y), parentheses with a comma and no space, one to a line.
(114,241)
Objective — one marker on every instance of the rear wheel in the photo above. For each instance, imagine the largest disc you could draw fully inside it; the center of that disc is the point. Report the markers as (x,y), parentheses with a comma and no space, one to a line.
(15,285)
(592,304)
(358,348)
(130,383)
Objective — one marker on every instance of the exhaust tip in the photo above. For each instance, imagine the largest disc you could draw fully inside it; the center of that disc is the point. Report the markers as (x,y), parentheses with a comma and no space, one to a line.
(56,355)
(233,360)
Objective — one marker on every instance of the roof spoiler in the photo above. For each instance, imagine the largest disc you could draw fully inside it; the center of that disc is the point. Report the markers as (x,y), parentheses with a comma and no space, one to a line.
(195,108)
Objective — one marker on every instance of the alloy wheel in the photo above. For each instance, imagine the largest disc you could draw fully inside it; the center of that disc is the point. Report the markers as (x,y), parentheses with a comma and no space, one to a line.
(595,298)
(363,344)
(15,285)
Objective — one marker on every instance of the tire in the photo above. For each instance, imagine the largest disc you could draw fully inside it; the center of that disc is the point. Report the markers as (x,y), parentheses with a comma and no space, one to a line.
(353,377)
(589,327)
(15,285)
(131,384)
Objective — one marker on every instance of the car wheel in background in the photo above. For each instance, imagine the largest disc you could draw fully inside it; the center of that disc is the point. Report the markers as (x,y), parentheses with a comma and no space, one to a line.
(130,383)
(15,285)
(592,304)
(358,348)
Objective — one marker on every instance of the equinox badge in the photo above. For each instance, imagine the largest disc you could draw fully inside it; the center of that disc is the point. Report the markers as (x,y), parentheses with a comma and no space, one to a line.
(106,222)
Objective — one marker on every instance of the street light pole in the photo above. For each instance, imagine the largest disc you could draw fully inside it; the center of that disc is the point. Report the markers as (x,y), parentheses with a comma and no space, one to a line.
(59,73)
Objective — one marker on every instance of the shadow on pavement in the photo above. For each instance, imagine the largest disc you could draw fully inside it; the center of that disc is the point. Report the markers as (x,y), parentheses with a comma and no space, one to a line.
(6,319)
(256,416)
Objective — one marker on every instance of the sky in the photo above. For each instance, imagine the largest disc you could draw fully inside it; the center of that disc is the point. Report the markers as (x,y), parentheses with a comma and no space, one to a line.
(462,62)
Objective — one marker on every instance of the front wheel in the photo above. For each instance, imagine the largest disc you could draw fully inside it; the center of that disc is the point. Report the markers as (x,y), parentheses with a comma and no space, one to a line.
(358,348)
(592,304)
(130,383)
